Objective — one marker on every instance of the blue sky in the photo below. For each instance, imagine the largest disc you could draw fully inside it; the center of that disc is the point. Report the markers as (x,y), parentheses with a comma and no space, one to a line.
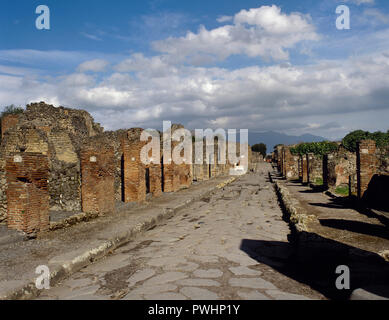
(261,65)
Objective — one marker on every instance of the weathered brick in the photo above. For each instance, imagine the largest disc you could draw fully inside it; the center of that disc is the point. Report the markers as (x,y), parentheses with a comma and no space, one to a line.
(98,176)
(27,192)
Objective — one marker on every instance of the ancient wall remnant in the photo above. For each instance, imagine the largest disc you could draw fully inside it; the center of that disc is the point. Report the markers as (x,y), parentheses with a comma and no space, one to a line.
(290,164)
(304,165)
(27,192)
(59,133)
(7,122)
(315,168)
(139,179)
(98,178)
(339,168)
(367,164)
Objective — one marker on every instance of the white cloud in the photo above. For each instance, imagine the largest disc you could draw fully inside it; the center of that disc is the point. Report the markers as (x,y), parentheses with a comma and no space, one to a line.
(143,91)
(263,32)
(273,97)
(224,19)
(96,65)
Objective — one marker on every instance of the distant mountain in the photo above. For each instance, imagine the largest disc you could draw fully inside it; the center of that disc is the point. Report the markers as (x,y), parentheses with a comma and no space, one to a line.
(272,138)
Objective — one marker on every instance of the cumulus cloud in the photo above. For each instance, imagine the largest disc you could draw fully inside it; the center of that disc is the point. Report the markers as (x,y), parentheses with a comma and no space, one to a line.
(263,32)
(144,90)
(253,97)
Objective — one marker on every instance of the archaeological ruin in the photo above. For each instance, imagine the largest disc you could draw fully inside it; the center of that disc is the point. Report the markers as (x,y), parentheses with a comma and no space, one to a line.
(59,160)
(363,174)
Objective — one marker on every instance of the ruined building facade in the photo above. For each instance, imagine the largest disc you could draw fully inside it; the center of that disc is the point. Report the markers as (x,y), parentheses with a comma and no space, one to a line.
(59,159)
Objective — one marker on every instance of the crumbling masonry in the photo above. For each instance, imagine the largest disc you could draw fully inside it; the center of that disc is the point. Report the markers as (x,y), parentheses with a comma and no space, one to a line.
(58,159)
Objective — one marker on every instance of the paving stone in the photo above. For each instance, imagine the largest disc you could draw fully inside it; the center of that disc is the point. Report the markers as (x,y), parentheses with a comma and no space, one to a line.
(165,278)
(133,296)
(185,267)
(194,293)
(254,283)
(210,273)
(165,296)
(140,275)
(280,295)
(151,289)
(252,295)
(81,293)
(241,259)
(165,261)
(198,283)
(244,271)
(206,259)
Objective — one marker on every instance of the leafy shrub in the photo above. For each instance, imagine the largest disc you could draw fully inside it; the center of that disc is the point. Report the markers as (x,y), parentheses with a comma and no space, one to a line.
(317,148)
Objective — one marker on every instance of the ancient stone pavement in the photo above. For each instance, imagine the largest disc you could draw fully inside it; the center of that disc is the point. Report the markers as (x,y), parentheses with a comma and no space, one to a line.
(201,253)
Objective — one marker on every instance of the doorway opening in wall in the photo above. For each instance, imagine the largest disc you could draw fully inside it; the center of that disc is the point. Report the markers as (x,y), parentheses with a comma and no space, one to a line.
(162,177)
(147,178)
(209,168)
(122,176)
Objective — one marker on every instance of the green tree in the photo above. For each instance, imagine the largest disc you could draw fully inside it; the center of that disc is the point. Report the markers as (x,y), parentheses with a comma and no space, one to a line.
(351,140)
(259,147)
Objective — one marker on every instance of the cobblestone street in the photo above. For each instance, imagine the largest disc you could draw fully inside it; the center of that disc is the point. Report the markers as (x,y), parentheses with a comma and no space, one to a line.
(206,251)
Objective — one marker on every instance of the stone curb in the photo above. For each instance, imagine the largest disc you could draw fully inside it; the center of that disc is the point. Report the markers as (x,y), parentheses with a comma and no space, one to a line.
(62,271)
(297,215)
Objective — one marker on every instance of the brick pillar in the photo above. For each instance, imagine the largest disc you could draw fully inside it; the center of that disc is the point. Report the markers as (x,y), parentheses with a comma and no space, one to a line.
(367,164)
(97,179)
(288,163)
(305,168)
(300,167)
(283,167)
(8,122)
(134,171)
(310,159)
(27,192)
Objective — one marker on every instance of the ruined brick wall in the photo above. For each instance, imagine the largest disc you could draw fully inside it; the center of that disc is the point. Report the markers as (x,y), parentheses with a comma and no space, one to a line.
(339,168)
(15,140)
(27,192)
(60,134)
(176,176)
(136,172)
(198,169)
(315,168)
(373,175)
(98,177)
(7,122)
(367,165)
(113,139)
(278,157)
(304,167)
(290,164)
(383,161)
(300,167)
